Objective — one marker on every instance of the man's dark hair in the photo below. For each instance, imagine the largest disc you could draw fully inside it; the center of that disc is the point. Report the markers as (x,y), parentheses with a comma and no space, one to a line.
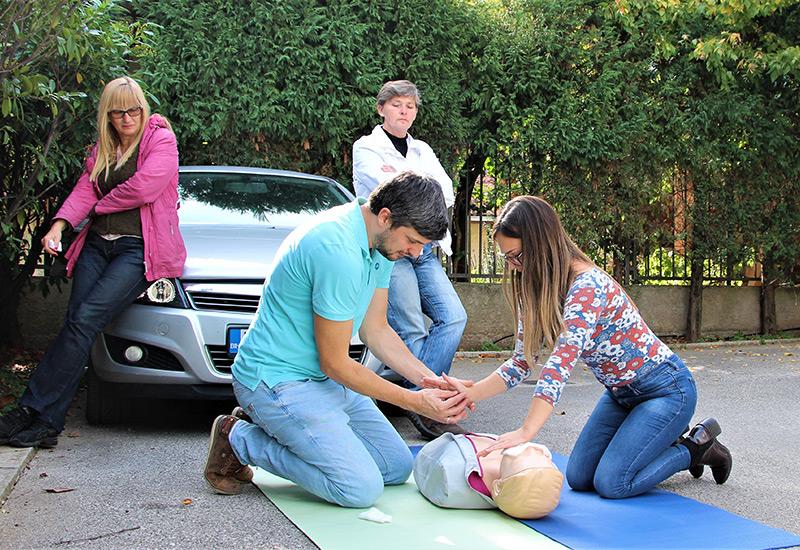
(416,201)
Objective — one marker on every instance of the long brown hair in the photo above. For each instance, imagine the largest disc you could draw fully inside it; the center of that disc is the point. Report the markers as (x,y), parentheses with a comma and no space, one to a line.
(537,292)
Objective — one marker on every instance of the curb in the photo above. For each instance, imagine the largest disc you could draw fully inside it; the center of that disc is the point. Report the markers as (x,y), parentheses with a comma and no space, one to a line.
(12,464)
(694,345)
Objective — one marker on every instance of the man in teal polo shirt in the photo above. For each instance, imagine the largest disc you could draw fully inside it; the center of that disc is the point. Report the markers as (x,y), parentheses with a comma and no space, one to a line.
(311,419)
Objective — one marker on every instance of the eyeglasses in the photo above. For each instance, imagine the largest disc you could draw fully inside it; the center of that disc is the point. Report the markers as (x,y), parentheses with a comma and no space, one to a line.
(117,114)
(515,259)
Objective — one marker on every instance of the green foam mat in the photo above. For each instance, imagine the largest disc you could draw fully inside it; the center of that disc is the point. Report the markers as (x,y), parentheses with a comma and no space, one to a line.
(416,523)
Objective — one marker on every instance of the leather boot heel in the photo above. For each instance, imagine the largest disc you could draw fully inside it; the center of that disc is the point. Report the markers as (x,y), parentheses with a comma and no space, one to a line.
(712,427)
(719,458)
(696,471)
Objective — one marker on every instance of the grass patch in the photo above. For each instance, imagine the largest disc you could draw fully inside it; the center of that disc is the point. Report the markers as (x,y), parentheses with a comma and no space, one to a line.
(488,345)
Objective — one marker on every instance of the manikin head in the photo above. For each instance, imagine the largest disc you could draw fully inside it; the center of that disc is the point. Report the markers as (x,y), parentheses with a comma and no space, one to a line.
(521,481)
(529,484)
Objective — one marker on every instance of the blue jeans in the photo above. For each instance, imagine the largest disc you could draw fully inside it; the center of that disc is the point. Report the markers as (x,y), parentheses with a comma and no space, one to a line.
(328,439)
(108,277)
(628,445)
(420,286)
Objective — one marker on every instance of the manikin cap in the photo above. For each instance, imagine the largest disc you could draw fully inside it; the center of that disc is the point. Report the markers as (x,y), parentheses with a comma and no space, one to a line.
(529,486)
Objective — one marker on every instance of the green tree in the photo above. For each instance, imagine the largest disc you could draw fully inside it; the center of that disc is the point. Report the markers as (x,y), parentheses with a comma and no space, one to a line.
(292,84)
(56,57)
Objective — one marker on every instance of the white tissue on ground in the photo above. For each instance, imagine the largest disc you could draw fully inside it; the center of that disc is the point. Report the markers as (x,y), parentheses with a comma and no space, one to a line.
(373,514)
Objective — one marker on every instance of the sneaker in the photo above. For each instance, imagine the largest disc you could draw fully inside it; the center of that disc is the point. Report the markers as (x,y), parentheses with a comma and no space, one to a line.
(430,428)
(39,434)
(14,422)
(223,472)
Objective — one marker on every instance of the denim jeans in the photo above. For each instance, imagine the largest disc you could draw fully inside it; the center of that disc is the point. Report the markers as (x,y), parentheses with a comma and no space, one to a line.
(628,445)
(108,276)
(420,286)
(326,438)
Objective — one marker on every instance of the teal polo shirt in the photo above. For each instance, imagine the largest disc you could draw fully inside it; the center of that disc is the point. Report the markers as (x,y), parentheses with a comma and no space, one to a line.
(324,267)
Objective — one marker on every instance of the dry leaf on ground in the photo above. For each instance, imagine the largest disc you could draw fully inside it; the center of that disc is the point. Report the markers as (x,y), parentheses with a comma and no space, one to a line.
(59,490)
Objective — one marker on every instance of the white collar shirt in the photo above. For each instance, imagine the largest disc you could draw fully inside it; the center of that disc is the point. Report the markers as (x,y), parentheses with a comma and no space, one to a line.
(375,160)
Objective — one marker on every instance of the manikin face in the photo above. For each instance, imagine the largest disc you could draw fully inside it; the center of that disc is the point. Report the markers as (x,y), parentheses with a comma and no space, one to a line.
(523,457)
(400,242)
(398,114)
(510,250)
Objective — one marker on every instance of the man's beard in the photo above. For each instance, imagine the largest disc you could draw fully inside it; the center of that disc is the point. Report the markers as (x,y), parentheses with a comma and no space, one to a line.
(380,244)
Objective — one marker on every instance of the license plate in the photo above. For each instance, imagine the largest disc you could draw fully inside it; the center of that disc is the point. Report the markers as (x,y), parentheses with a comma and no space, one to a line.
(235,336)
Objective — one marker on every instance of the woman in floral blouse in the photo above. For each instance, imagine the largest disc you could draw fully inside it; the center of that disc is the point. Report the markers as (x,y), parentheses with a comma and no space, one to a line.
(633,439)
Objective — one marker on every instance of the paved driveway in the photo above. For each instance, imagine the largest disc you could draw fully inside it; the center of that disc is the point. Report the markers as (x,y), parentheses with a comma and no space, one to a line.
(140,486)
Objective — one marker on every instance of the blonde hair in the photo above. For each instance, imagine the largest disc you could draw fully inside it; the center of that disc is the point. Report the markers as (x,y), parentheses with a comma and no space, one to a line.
(120,93)
(537,292)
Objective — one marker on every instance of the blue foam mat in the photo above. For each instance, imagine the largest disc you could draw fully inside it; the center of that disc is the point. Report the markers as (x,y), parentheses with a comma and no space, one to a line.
(655,520)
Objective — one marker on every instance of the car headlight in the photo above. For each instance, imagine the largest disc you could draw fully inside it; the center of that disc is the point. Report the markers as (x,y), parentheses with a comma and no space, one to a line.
(164,292)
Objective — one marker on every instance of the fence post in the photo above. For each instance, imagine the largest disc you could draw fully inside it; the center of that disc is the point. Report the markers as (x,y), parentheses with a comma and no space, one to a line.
(473,168)
(767,315)
(695,313)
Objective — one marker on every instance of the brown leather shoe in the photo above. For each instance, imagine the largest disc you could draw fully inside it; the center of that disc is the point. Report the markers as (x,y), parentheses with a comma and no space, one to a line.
(223,471)
(239,413)
(431,429)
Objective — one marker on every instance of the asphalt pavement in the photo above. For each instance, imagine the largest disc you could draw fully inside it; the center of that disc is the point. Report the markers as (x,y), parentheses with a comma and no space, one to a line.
(140,485)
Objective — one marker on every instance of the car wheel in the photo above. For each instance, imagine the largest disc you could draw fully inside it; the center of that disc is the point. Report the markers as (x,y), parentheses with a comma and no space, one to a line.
(104,404)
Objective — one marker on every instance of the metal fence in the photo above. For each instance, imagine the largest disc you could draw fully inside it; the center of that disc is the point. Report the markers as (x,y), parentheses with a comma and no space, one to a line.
(651,259)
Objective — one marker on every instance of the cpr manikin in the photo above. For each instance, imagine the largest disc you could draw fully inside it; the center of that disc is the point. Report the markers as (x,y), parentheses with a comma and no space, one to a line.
(521,481)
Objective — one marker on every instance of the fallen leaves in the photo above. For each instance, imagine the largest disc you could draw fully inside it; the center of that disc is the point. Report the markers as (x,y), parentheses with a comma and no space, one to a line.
(59,490)
(186,501)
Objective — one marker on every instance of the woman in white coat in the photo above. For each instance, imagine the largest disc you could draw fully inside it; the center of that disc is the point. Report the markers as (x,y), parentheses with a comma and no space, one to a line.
(419,286)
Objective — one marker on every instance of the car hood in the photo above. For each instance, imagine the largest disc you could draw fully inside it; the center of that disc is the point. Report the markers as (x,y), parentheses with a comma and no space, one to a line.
(216,251)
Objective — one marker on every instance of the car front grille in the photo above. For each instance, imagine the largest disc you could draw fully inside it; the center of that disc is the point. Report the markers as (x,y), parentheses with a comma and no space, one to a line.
(222,361)
(217,301)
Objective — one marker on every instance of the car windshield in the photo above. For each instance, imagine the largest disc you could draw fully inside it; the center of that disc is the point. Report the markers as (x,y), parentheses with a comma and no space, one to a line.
(230,198)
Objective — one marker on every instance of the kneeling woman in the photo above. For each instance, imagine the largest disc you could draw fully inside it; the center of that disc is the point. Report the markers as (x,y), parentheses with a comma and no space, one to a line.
(633,439)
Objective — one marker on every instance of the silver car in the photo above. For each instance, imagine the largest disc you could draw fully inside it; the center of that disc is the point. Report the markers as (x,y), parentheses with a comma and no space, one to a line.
(179,339)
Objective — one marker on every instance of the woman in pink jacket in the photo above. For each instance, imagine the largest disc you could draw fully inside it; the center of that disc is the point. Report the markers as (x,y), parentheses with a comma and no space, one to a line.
(128,192)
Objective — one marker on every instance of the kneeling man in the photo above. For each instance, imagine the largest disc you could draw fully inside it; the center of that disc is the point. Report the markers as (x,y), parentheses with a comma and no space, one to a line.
(310,416)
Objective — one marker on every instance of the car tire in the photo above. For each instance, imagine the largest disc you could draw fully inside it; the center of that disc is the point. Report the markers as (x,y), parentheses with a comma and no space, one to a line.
(104,404)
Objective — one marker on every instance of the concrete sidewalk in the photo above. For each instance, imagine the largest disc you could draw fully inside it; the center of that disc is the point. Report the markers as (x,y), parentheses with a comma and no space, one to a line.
(12,463)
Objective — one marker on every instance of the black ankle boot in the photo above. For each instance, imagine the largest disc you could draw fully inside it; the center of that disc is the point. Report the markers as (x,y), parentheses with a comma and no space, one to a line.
(705,450)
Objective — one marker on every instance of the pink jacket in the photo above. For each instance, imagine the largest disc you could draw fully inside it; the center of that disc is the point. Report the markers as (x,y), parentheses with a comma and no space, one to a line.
(153,189)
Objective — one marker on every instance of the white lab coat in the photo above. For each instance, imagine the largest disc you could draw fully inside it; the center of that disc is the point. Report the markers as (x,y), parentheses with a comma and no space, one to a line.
(375,160)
